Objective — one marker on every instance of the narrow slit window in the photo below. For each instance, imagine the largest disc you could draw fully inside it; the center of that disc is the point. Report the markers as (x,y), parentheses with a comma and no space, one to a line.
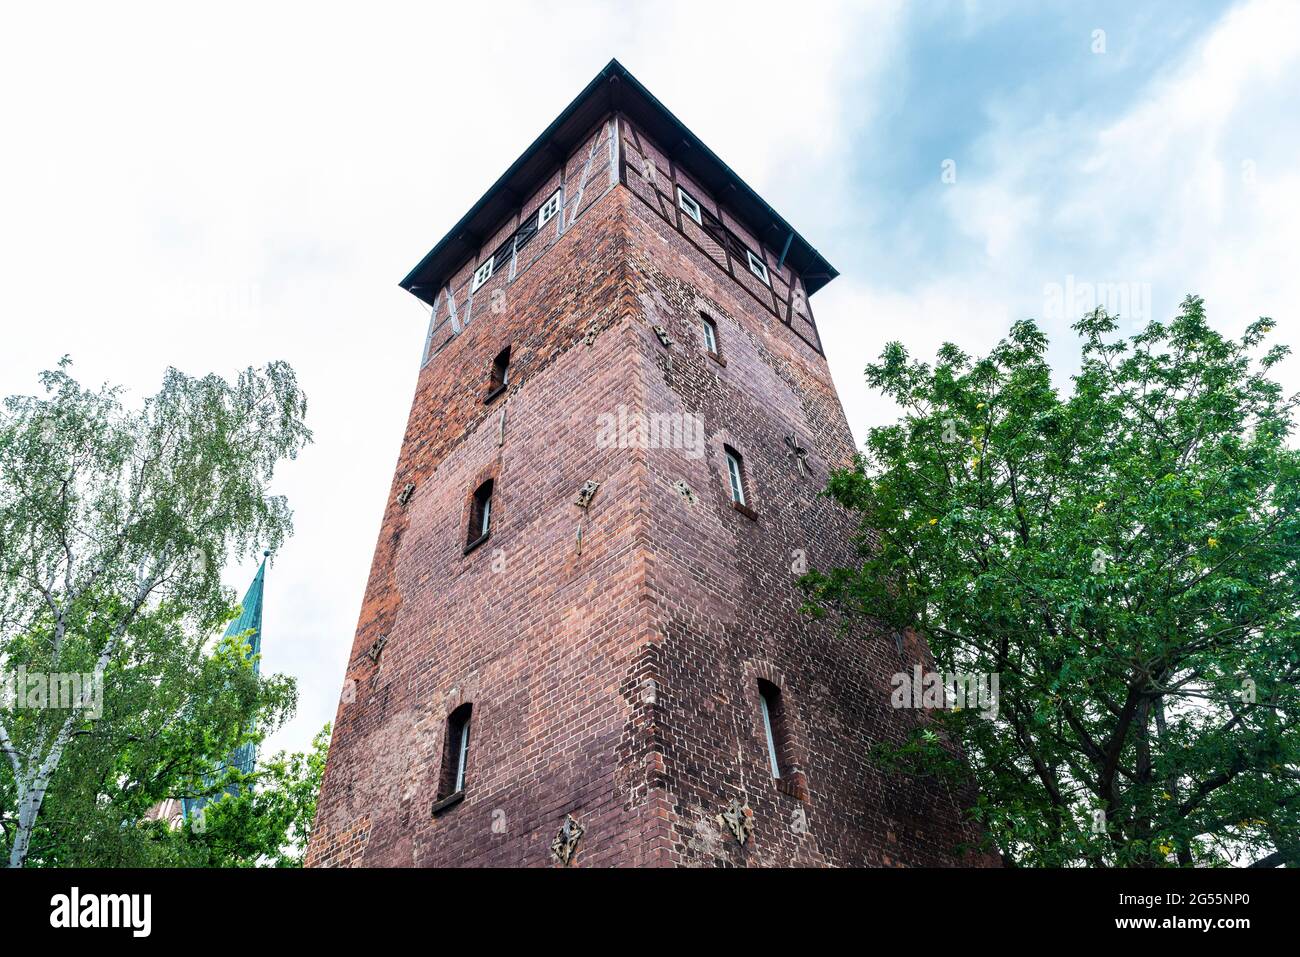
(500,372)
(480,516)
(482,274)
(758,267)
(768,703)
(456,752)
(548,209)
(689,206)
(462,754)
(735,476)
(710,333)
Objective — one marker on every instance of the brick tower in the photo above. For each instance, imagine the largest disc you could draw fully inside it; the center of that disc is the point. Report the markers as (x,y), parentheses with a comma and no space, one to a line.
(581,642)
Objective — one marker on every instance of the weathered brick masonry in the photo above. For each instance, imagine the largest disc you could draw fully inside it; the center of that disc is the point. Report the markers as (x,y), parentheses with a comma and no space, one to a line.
(612,654)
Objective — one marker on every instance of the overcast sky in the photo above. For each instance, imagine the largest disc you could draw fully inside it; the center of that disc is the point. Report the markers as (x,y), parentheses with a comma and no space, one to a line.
(218,186)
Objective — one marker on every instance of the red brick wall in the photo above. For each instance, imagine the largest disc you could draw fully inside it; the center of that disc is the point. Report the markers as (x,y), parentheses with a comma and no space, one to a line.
(725,603)
(618,682)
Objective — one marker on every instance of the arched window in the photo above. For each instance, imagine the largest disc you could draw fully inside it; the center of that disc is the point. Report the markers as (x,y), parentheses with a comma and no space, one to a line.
(735,476)
(710,329)
(480,515)
(500,374)
(773,714)
(455,752)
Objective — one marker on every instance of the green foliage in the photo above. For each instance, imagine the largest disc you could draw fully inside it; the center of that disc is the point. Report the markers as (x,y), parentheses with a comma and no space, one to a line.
(1125,559)
(114,527)
(268,822)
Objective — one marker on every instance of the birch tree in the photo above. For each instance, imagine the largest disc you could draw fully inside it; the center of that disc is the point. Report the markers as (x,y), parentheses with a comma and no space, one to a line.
(115,524)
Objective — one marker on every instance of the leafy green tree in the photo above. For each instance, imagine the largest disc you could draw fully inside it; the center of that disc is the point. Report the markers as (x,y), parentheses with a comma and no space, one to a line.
(115,524)
(1125,558)
(268,822)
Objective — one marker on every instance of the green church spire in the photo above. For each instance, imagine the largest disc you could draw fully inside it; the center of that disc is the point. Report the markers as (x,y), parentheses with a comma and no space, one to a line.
(249,619)
(250,614)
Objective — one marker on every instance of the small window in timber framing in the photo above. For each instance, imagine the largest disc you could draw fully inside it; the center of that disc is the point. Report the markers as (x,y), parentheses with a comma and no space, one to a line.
(482,274)
(548,209)
(689,206)
(757,266)
(480,516)
(455,758)
(500,375)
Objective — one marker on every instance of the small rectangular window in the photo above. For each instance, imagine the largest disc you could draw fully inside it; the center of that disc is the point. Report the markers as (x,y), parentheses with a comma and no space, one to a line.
(758,267)
(689,206)
(736,476)
(548,210)
(482,274)
(710,334)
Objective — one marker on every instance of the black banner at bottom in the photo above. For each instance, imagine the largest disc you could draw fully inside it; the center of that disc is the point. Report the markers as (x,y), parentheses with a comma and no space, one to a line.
(208,908)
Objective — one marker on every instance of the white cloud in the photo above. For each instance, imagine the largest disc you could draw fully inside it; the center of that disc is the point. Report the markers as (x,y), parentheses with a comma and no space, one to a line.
(214,187)
(1192,189)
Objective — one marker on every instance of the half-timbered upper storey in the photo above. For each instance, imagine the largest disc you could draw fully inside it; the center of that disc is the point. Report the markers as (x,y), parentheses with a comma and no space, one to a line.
(615,132)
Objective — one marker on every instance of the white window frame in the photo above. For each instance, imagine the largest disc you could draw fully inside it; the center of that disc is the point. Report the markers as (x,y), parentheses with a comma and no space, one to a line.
(710,334)
(481,276)
(736,478)
(485,524)
(690,206)
(462,754)
(767,727)
(548,209)
(758,267)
